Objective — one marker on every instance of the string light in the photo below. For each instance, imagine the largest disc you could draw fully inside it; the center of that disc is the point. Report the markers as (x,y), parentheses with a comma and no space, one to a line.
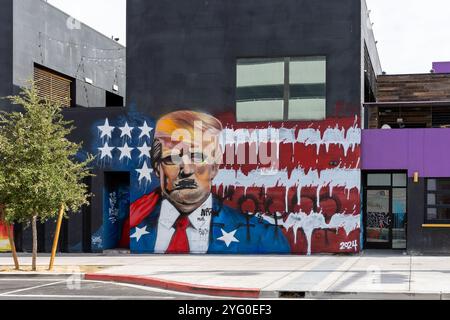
(117,62)
(79,45)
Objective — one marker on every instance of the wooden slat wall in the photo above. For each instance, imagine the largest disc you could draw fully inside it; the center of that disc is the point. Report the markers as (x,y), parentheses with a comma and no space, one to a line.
(412,117)
(421,87)
(373,117)
(53,87)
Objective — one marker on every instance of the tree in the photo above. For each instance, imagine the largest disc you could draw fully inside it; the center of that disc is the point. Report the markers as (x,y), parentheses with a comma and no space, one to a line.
(41,170)
(2,211)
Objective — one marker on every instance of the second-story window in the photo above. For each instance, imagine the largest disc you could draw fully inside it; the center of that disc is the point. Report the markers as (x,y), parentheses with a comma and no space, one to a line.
(53,86)
(281,89)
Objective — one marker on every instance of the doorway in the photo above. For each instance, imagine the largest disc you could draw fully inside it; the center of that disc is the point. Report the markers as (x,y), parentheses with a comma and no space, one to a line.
(385,210)
(116,208)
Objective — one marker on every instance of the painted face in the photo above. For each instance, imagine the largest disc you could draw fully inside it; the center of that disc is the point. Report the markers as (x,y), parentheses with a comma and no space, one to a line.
(186,175)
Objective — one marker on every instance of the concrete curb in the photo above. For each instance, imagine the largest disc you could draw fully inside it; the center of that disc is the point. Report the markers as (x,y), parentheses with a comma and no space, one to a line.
(177,286)
(374,295)
(336,295)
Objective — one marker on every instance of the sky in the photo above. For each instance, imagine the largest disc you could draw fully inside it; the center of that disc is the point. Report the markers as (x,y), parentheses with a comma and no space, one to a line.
(106,16)
(411,34)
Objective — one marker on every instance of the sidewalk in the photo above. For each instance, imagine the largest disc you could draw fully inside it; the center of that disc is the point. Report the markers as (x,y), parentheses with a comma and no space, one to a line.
(385,276)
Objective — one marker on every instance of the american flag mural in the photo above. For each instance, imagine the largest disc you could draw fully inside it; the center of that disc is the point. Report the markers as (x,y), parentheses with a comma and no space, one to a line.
(313,194)
(282,187)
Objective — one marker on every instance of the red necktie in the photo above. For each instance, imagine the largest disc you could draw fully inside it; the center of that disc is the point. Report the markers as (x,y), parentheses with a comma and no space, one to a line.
(179,243)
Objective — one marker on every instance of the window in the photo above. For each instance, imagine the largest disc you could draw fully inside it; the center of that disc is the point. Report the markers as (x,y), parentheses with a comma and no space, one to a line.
(53,86)
(113,100)
(281,89)
(438,200)
(378,179)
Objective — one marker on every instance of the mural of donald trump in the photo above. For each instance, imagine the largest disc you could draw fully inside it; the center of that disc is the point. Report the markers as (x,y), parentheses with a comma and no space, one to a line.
(183,216)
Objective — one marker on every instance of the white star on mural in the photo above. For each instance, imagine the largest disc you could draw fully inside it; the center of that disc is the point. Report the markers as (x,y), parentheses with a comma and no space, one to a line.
(139,232)
(126,130)
(145,130)
(106,129)
(125,151)
(145,151)
(106,151)
(145,173)
(228,237)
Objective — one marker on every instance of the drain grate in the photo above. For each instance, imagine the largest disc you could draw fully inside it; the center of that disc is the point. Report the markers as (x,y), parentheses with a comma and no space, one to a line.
(292,294)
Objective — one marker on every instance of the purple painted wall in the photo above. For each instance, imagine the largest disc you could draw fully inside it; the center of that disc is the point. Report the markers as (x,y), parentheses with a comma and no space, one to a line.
(424,150)
(441,67)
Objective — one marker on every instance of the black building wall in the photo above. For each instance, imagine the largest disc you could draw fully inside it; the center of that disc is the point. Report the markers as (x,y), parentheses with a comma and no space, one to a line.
(6,50)
(82,225)
(182,54)
(76,232)
(38,33)
(423,240)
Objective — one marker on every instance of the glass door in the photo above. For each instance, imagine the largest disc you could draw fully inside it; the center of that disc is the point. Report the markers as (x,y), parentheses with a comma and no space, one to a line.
(378,219)
(385,215)
(399,218)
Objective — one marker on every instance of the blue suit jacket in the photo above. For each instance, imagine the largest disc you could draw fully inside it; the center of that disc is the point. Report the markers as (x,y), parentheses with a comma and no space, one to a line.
(255,236)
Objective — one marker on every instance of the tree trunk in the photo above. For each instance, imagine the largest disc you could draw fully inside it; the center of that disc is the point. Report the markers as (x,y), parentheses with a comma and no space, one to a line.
(34,228)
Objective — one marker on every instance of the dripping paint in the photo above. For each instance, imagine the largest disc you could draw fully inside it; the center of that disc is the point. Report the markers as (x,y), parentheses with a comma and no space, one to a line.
(275,188)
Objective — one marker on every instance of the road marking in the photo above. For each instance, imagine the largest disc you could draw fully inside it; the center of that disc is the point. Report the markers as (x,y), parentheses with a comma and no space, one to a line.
(52,282)
(32,280)
(151,289)
(31,288)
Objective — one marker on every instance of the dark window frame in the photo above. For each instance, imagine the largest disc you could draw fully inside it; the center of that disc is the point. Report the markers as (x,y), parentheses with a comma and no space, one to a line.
(287,84)
(390,187)
(435,206)
(111,99)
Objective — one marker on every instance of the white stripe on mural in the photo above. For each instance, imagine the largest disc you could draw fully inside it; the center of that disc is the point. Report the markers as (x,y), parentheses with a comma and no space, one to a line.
(347,139)
(298,178)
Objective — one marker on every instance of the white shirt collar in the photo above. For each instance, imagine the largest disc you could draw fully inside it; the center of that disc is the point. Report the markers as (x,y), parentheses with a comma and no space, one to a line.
(198,218)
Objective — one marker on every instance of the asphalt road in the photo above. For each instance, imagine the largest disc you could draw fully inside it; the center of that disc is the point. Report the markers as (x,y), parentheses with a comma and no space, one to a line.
(74,288)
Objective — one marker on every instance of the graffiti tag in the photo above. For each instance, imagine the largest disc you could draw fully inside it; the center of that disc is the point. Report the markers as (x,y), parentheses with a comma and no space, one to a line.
(378,220)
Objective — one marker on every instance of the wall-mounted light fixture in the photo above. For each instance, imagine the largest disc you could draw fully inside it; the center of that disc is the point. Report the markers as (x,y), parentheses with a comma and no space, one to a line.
(416,177)
(90,81)
(115,87)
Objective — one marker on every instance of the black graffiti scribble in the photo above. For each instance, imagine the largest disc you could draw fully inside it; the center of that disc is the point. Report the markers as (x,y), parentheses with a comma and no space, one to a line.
(263,202)
(246,198)
(378,220)
(207,212)
(324,197)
